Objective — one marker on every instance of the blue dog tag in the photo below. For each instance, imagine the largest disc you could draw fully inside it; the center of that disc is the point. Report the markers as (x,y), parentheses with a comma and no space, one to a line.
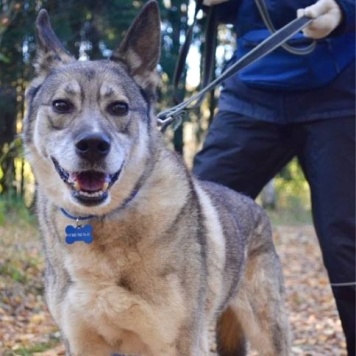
(79,233)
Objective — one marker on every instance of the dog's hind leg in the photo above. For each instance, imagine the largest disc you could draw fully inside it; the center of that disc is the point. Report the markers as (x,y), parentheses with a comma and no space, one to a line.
(230,335)
(257,313)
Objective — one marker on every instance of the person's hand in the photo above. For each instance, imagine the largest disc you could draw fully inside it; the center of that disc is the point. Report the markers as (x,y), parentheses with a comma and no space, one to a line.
(327,15)
(213,2)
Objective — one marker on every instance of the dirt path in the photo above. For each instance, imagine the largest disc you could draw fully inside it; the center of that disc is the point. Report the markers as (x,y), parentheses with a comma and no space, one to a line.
(27,329)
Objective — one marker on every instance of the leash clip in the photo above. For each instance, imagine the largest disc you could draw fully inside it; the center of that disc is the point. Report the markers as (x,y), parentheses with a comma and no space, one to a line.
(171,118)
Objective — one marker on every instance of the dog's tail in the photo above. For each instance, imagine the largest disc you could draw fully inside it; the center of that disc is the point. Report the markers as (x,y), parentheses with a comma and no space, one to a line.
(230,335)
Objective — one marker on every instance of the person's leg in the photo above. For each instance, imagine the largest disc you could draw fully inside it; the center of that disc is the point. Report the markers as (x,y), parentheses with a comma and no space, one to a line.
(328,160)
(244,154)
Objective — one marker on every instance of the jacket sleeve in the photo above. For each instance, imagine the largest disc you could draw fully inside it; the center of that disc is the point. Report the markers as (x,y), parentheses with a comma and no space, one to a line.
(348,17)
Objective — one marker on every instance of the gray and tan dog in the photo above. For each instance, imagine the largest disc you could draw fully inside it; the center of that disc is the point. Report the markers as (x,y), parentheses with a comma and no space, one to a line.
(141,257)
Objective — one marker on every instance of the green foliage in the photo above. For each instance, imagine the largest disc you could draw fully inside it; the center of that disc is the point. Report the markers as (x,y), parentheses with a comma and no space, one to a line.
(293,213)
(13,209)
(291,183)
(293,197)
(4,59)
(31,350)
(8,269)
(10,157)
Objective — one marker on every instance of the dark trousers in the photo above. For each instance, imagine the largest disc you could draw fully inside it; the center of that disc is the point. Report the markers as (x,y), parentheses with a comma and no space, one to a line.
(244,154)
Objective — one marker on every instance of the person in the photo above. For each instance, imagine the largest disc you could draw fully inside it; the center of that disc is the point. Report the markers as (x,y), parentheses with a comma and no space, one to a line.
(289,105)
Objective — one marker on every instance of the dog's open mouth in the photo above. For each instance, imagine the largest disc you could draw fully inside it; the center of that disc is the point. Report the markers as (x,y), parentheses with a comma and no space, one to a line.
(89,187)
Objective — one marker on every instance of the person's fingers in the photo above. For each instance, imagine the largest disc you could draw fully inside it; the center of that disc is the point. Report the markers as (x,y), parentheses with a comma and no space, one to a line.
(322,26)
(321,7)
(300,13)
(327,15)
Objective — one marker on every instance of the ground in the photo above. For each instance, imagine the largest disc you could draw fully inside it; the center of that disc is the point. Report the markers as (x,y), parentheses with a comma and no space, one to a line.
(26,327)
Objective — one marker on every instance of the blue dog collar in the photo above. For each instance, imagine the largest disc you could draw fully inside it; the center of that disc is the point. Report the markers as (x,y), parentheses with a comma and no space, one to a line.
(76,218)
(85,232)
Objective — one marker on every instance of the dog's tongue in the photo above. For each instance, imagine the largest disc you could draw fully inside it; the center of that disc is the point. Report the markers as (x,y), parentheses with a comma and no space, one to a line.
(91,181)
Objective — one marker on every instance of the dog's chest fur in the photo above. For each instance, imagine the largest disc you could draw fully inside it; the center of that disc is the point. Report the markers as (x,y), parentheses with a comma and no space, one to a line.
(108,279)
(125,261)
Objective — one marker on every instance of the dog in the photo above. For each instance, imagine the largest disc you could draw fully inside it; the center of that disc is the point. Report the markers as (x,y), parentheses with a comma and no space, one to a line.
(141,257)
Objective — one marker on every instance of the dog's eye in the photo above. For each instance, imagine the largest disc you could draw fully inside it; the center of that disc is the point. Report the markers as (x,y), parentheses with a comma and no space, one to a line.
(62,106)
(118,108)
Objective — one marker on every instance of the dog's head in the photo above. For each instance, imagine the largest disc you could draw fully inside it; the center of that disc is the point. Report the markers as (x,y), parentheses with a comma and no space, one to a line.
(89,124)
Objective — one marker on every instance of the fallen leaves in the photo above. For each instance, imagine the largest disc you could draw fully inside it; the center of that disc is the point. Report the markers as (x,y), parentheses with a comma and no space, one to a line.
(24,318)
(313,316)
(26,327)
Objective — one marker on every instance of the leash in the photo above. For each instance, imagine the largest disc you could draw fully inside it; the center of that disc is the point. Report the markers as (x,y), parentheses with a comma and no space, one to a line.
(262,8)
(174,115)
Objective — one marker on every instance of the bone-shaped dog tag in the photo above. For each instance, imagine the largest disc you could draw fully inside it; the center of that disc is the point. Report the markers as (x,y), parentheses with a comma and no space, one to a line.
(79,233)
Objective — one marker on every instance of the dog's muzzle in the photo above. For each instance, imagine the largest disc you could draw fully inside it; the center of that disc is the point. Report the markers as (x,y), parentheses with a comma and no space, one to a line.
(89,187)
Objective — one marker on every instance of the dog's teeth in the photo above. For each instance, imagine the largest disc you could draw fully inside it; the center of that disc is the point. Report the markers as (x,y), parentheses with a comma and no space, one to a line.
(105,186)
(76,185)
(92,195)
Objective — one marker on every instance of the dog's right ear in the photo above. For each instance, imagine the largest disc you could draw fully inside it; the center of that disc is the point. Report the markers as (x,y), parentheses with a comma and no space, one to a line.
(140,48)
(50,51)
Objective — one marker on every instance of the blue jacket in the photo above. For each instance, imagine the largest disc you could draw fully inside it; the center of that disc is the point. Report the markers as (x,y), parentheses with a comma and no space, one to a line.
(283,87)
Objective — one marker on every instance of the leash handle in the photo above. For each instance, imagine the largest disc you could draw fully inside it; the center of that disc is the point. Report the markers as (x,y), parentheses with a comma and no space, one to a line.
(262,8)
(166,117)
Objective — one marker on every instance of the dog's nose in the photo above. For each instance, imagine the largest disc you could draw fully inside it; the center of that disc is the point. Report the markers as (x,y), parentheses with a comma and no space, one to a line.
(92,147)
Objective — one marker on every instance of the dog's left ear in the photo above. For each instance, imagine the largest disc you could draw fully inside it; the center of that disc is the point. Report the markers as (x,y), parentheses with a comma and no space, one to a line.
(50,51)
(140,49)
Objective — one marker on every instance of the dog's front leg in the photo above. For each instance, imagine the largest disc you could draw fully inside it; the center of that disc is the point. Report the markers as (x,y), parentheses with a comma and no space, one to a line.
(192,347)
(181,349)
(93,346)
(188,343)
(80,340)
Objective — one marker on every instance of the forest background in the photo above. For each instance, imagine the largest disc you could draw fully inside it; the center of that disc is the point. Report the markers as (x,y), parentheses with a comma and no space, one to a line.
(89,29)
